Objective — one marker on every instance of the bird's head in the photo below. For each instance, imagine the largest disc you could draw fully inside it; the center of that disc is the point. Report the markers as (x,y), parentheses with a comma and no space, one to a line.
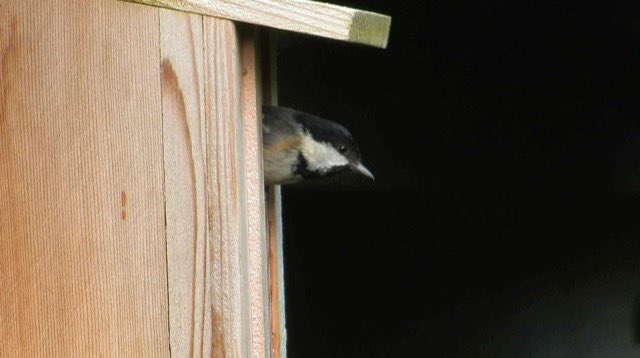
(315,147)
(327,148)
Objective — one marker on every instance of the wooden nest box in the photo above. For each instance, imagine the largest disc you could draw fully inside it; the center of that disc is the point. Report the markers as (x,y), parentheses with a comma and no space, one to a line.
(133,219)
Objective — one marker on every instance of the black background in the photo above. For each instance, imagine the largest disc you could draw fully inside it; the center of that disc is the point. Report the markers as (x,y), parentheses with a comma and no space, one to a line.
(504,222)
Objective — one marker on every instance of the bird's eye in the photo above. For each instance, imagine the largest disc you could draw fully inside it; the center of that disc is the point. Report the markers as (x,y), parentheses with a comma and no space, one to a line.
(342,149)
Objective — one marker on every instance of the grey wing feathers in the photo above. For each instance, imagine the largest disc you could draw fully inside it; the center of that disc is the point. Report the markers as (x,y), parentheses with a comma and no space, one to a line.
(278,122)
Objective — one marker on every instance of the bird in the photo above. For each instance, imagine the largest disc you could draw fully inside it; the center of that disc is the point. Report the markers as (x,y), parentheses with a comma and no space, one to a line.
(299,146)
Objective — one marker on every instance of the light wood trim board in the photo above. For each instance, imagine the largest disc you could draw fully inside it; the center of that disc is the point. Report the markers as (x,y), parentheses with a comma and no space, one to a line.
(304,16)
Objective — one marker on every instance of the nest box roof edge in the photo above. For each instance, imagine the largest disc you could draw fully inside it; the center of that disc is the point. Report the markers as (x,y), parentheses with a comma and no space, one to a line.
(302,16)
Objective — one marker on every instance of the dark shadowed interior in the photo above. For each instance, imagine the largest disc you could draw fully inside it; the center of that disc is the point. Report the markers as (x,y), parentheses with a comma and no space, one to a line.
(505,219)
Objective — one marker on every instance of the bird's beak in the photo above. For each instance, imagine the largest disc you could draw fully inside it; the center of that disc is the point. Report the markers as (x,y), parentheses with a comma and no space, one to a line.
(361,169)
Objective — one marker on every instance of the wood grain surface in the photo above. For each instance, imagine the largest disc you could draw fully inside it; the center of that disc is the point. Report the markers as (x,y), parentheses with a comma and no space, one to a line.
(82,240)
(255,191)
(274,213)
(222,98)
(188,245)
(132,211)
(236,198)
(213,183)
(305,16)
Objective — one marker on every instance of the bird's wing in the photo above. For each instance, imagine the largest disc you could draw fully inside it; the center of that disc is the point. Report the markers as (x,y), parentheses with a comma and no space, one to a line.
(278,124)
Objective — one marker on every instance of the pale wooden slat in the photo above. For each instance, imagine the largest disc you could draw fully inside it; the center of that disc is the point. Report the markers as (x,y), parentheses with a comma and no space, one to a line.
(255,195)
(274,217)
(182,69)
(276,273)
(235,196)
(222,108)
(82,241)
(305,16)
(235,284)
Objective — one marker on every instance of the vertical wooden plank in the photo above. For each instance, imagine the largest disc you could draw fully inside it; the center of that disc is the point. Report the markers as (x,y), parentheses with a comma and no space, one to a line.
(276,273)
(235,194)
(237,271)
(254,186)
(274,215)
(82,241)
(181,63)
(231,329)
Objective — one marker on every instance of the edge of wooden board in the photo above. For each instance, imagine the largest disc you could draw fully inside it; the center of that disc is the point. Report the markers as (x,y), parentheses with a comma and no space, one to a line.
(370,28)
(302,16)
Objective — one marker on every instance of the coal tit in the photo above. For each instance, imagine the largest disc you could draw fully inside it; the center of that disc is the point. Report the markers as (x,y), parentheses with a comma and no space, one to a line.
(300,146)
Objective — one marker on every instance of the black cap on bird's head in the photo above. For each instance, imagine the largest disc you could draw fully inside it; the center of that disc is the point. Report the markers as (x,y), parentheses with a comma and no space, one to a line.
(328,148)
(323,148)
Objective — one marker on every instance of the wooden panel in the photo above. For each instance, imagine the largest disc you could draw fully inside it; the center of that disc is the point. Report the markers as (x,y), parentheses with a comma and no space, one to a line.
(222,98)
(274,216)
(82,241)
(305,16)
(276,273)
(255,194)
(235,195)
(184,123)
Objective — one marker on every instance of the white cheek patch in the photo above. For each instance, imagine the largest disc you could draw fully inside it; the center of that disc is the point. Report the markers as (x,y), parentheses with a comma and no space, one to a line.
(321,156)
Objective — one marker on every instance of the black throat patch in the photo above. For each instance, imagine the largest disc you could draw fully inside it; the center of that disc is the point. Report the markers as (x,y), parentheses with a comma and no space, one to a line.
(301,168)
